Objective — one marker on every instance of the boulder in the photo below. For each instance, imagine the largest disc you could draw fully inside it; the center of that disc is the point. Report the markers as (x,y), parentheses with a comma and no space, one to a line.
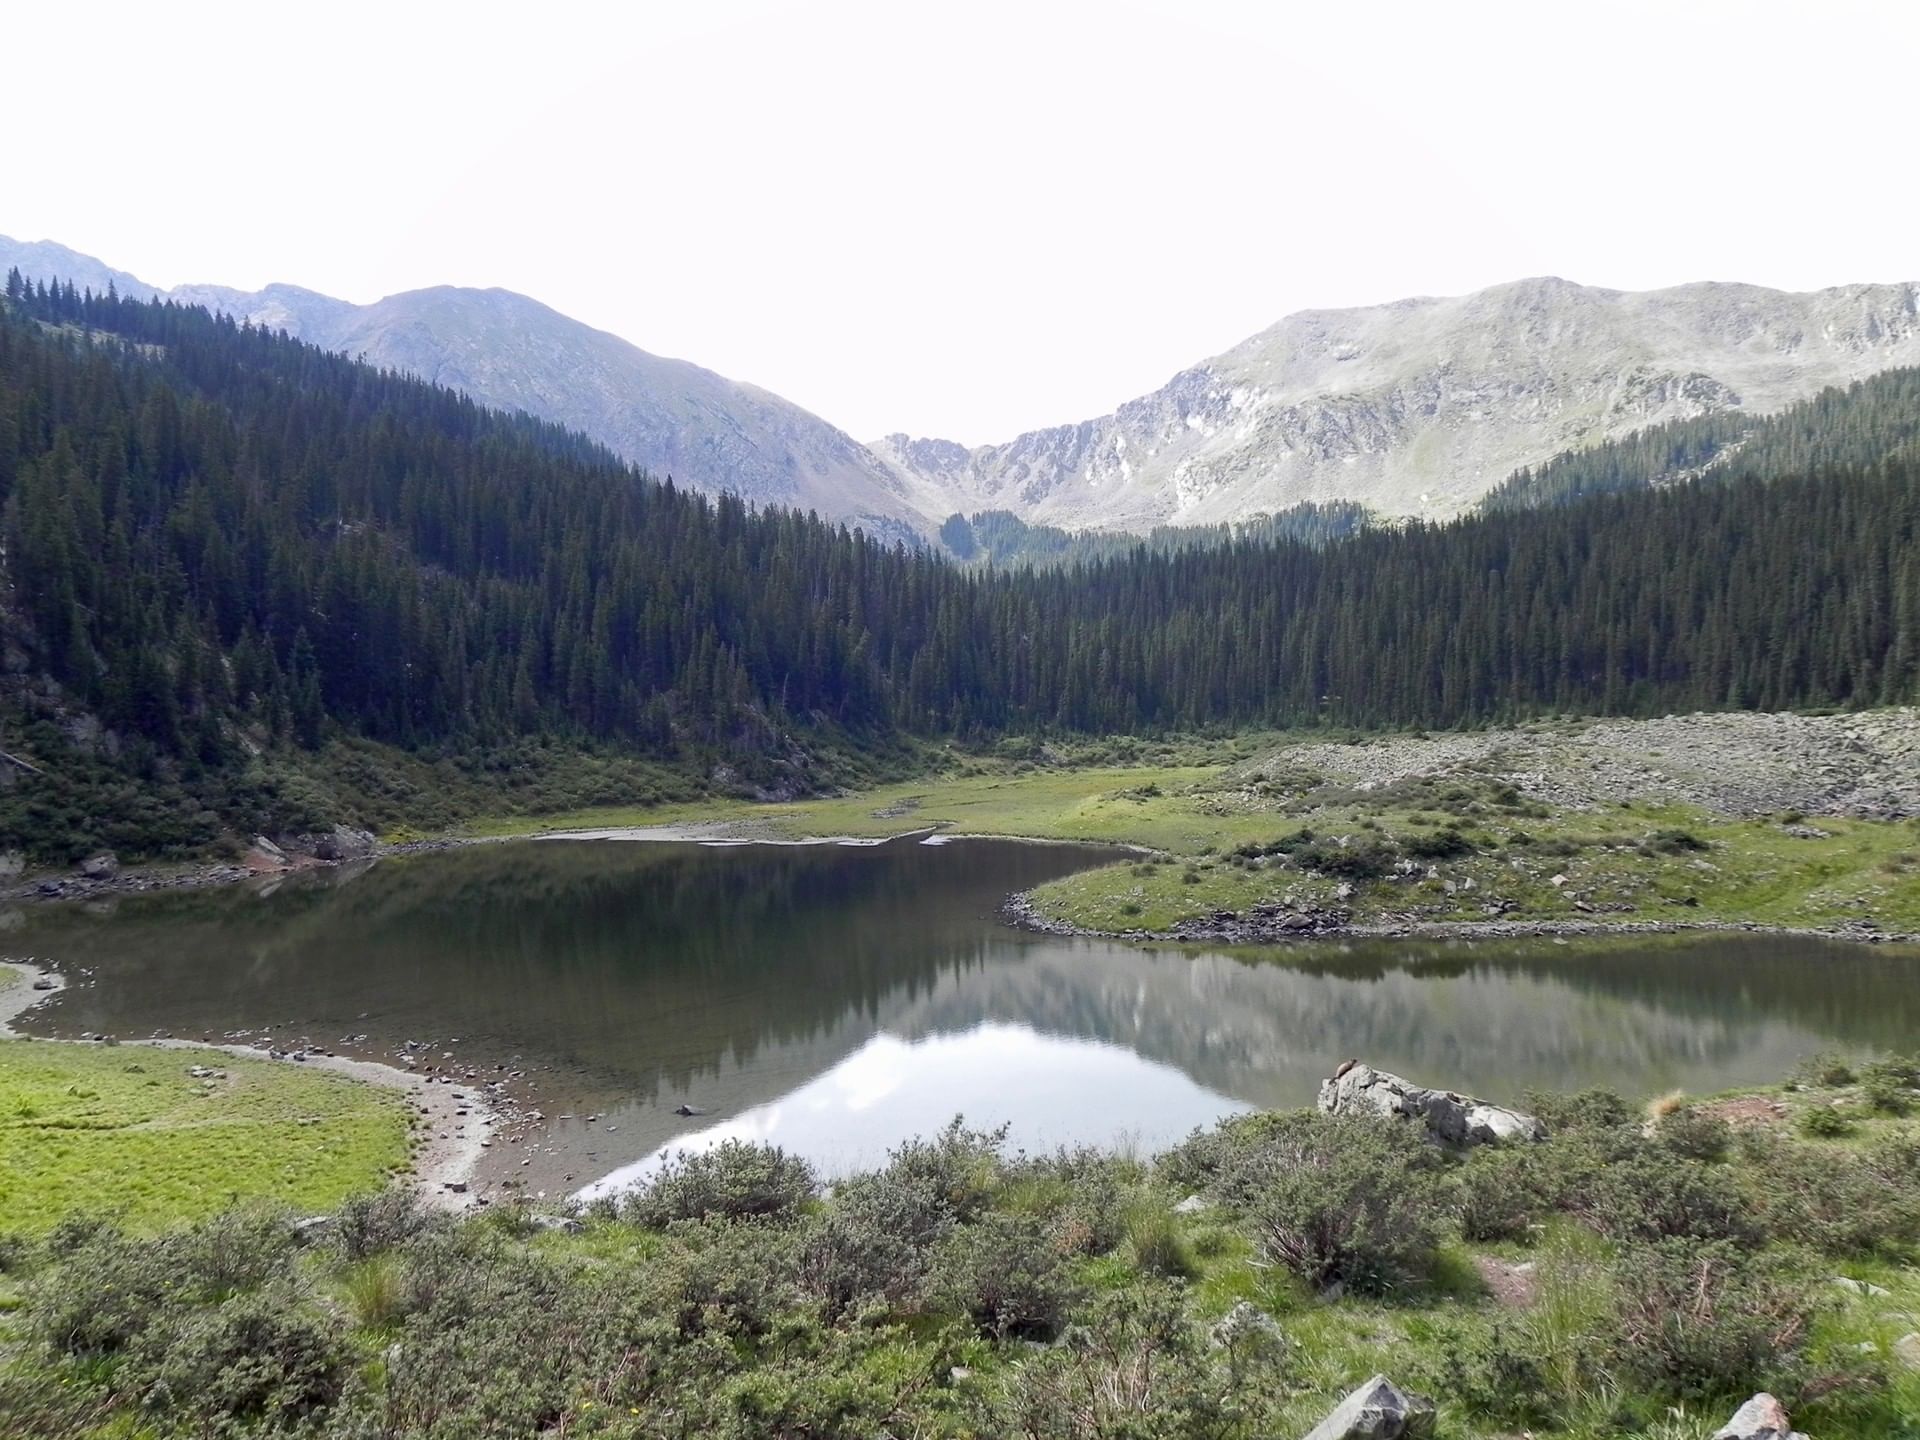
(339,843)
(1450,1118)
(1907,1350)
(1378,1410)
(103,866)
(1761,1418)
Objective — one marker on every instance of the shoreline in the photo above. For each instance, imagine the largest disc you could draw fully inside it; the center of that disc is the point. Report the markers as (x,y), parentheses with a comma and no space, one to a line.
(450,1145)
(1303,927)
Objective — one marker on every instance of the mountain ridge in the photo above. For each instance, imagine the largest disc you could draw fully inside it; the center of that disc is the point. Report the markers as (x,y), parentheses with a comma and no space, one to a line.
(1417,407)
(672,417)
(1420,406)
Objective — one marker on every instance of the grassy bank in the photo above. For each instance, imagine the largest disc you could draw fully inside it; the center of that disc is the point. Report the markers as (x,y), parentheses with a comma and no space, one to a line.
(125,1133)
(1466,846)
(1621,1278)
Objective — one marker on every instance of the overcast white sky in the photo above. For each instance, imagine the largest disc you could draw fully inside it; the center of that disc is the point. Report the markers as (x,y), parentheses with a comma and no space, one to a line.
(964,219)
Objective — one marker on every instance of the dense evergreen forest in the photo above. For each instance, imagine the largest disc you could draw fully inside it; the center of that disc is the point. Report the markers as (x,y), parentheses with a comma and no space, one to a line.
(1869,422)
(221,544)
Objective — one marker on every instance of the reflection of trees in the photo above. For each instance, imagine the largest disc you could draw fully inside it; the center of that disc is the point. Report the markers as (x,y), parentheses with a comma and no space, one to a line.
(639,962)
(642,969)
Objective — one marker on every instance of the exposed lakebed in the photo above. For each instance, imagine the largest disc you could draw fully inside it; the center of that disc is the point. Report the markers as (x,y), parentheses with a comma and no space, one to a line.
(839,999)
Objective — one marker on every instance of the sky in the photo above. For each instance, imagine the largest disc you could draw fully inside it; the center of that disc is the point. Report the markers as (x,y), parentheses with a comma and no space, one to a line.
(972,219)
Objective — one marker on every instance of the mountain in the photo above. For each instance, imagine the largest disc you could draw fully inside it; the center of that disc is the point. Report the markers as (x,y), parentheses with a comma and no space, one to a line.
(669,416)
(1422,406)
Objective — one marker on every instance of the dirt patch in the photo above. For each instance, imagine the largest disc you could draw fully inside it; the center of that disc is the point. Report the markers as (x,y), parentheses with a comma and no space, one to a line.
(1514,1285)
(1745,1110)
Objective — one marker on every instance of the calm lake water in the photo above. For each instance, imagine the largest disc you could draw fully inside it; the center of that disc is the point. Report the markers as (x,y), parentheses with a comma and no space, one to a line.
(836,1000)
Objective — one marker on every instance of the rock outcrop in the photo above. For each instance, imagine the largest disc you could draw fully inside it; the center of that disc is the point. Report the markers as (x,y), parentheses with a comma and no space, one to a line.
(1378,1410)
(1761,1418)
(1450,1118)
(1421,406)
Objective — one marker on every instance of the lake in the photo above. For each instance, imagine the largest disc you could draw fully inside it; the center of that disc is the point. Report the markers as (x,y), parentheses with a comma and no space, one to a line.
(838,999)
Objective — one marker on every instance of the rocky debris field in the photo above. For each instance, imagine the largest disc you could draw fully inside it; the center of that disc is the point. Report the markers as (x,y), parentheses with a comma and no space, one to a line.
(1864,765)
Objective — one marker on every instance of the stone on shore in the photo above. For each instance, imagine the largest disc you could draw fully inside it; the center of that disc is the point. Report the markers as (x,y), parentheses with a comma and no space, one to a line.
(1761,1418)
(1378,1410)
(103,866)
(1451,1118)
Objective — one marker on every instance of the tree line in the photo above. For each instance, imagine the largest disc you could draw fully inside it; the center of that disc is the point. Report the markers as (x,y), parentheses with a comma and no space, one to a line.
(218,538)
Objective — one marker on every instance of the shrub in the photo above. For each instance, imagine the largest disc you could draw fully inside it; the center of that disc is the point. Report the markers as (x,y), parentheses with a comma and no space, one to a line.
(103,1295)
(874,1242)
(1351,1198)
(1650,1197)
(1838,1201)
(1823,1121)
(1591,1109)
(1366,859)
(1704,1319)
(732,1181)
(1826,1070)
(1501,1193)
(1445,844)
(1674,842)
(1696,1136)
(1005,1274)
(961,1166)
(1887,1086)
(368,1224)
(258,1357)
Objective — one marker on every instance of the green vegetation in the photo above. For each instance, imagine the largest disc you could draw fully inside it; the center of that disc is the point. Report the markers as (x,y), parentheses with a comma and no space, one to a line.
(1229,837)
(1461,850)
(1635,1283)
(124,1133)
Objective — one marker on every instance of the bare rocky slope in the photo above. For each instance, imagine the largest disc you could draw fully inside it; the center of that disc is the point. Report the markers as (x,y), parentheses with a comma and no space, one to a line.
(1421,406)
(670,416)
(1865,765)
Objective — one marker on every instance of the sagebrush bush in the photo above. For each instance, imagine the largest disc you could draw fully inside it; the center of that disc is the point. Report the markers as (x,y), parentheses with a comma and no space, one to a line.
(364,1225)
(1349,1198)
(1005,1274)
(1502,1192)
(1595,1108)
(963,1166)
(1652,1196)
(875,1242)
(263,1357)
(1835,1200)
(1824,1122)
(1708,1319)
(734,1180)
(1690,1133)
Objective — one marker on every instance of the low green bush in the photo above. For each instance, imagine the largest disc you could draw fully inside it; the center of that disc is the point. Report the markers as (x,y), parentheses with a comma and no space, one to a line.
(733,1181)
(1341,1198)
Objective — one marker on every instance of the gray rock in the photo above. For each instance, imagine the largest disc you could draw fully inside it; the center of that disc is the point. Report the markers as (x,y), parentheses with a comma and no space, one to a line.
(103,866)
(339,843)
(1193,1205)
(1761,1418)
(1907,1350)
(12,864)
(1378,1410)
(565,1224)
(1861,1288)
(1451,1118)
